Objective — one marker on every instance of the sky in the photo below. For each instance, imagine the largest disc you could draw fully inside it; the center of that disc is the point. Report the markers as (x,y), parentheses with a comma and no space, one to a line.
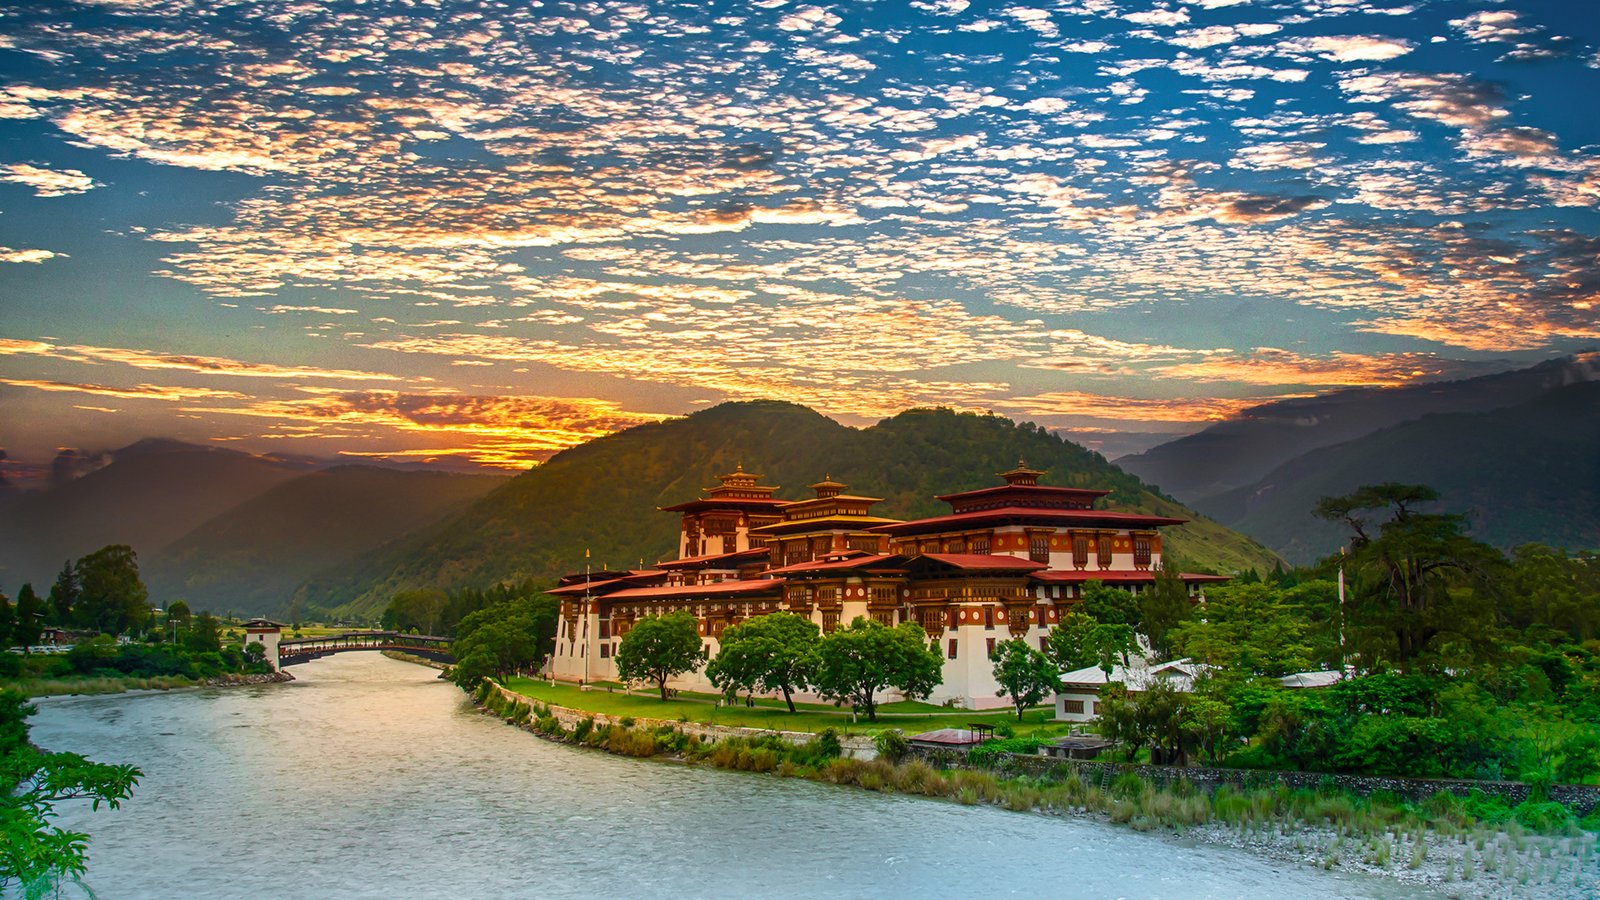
(479,232)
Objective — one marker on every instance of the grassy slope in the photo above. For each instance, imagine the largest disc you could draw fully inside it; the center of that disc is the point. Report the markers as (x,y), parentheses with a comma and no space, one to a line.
(603,494)
(251,558)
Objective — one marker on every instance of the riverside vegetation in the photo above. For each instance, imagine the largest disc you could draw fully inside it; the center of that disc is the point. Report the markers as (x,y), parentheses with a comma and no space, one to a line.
(1478,842)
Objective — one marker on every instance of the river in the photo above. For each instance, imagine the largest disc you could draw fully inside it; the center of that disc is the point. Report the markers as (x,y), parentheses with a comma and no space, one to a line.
(369,778)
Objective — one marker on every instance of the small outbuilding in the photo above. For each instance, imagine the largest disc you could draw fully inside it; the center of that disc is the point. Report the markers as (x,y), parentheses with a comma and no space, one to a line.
(1079,697)
(948,739)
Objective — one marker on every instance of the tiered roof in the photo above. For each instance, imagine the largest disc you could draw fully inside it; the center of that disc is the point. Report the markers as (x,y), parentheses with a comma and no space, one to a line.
(739,490)
(1022,489)
(830,510)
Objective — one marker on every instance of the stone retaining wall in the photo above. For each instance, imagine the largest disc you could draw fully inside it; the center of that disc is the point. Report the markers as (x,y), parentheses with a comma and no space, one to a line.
(856,746)
(1581,798)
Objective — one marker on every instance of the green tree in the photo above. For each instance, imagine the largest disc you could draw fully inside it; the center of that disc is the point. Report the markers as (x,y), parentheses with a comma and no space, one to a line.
(533,615)
(854,663)
(1552,589)
(204,635)
(30,617)
(509,644)
(1080,641)
(1164,608)
(113,600)
(473,669)
(422,610)
(1156,717)
(179,617)
(658,648)
(1248,630)
(8,621)
(255,653)
(776,652)
(64,595)
(36,855)
(1023,673)
(1414,573)
(1109,605)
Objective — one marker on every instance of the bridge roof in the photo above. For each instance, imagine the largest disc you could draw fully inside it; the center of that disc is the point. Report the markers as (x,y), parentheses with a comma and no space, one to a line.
(395,635)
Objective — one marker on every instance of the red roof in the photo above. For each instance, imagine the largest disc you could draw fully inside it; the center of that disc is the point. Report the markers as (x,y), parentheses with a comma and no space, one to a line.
(1042,490)
(753,554)
(839,522)
(983,561)
(696,591)
(864,561)
(772,504)
(1058,516)
(1069,576)
(589,587)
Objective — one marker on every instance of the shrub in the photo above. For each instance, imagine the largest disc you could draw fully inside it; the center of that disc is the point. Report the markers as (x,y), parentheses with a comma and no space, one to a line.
(987,753)
(631,742)
(1543,816)
(1591,822)
(827,743)
(1128,785)
(839,770)
(1487,809)
(891,745)
(1443,807)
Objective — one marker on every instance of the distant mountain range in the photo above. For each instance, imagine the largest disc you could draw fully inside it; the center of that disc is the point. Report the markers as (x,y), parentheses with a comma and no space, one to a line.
(217,527)
(602,496)
(149,495)
(257,553)
(1244,449)
(1528,473)
(1518,452)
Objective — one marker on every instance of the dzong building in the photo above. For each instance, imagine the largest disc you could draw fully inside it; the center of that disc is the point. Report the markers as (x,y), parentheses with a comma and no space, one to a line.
(1006,562)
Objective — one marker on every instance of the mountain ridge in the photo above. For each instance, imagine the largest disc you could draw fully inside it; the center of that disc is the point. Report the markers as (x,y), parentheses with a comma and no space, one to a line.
(1241,451)
(601,496)
(1526,473)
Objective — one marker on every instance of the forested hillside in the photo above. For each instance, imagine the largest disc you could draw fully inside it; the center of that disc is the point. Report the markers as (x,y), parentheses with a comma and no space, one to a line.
(602,496)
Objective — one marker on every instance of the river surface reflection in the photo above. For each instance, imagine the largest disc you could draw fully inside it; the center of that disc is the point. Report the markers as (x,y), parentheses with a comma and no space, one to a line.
(369,778)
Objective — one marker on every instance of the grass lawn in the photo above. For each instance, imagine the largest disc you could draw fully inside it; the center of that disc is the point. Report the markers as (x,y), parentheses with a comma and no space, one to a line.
(911,717)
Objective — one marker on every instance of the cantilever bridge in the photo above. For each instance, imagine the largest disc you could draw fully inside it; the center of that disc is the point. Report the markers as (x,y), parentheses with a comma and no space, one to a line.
(303,650)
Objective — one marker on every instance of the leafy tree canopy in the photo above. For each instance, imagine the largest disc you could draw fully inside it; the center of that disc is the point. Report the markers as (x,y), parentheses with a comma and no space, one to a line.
(35,854)
(112,599)
(776,652)
(1024,674)
(1412,575)
(1248,630)
(658,648)
(857,661)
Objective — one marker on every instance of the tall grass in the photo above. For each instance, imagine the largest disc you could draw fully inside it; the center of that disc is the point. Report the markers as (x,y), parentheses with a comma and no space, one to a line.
(49,687)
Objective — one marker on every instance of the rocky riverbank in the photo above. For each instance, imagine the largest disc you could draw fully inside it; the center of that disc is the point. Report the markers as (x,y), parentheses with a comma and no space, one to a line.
(43,688)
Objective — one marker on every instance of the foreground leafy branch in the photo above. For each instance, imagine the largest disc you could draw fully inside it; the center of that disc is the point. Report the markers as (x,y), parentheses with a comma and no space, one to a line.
(36,855)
